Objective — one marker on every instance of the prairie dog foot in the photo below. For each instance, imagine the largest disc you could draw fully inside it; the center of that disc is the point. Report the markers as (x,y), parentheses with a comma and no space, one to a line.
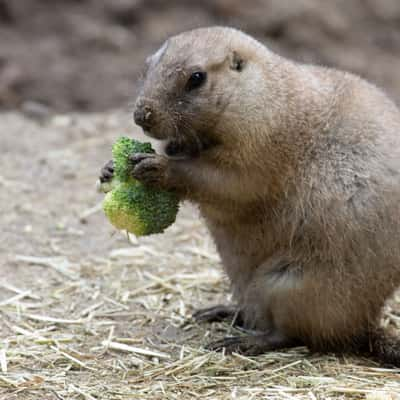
(107,172)
(218,313)
(252,345)
(150,169)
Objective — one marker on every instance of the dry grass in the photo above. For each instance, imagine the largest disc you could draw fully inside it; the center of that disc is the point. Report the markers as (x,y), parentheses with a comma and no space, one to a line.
(117,326)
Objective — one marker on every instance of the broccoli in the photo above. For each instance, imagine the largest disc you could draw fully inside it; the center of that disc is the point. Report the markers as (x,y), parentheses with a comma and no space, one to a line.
(121,151)
(130,205)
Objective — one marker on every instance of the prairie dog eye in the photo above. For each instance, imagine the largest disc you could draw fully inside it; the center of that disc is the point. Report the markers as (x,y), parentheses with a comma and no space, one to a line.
(196,80)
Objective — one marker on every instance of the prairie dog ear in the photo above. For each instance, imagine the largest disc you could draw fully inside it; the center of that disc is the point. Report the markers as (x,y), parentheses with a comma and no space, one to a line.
(237,62)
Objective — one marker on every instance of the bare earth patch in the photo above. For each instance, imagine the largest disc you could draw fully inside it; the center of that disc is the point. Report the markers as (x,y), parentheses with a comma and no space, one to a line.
(88,313)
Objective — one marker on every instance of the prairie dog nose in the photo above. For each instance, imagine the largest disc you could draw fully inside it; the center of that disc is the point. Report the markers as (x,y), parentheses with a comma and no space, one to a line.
(143,115)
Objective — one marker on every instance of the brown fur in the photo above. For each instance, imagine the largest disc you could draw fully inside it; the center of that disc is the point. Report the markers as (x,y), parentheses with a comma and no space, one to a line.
(297,174)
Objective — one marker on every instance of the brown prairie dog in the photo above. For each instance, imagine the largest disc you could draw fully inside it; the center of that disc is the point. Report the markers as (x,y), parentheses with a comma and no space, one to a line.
(296,170)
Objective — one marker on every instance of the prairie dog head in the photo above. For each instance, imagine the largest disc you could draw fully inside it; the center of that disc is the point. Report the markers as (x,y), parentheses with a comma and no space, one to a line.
(194,86)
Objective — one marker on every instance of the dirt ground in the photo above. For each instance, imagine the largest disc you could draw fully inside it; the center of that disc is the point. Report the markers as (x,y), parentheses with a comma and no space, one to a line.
(88,313)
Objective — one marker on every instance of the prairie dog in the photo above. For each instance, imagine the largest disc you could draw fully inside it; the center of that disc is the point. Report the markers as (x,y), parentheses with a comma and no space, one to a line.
(296,171)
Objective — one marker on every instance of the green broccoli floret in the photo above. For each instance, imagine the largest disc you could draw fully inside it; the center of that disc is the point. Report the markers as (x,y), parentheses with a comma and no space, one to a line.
(132,206)
(140,210)
(121,151)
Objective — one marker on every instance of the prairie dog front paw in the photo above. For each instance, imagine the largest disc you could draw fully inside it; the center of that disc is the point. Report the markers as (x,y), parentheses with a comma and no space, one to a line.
(150,169)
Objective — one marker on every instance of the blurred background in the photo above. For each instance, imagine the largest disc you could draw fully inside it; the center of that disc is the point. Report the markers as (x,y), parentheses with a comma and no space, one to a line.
(85,55)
